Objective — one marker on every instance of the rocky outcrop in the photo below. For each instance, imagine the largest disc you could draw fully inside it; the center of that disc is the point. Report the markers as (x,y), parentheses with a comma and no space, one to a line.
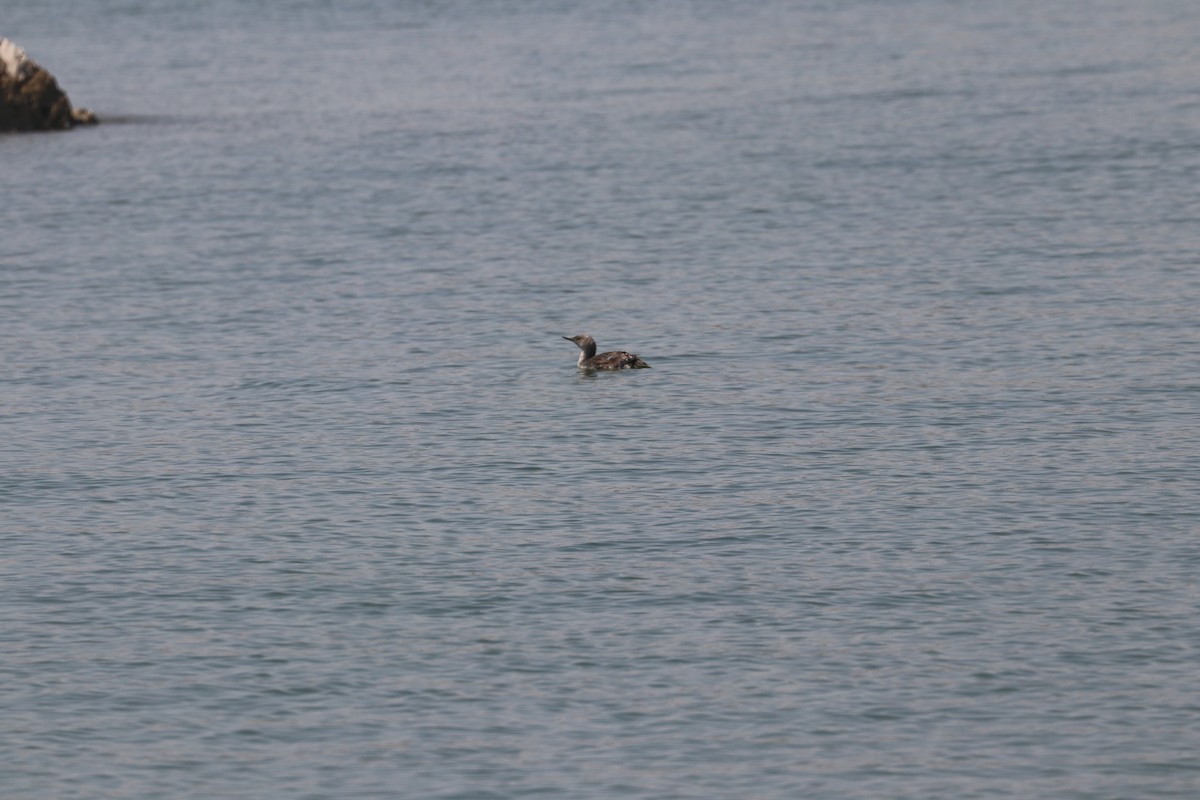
(30,99)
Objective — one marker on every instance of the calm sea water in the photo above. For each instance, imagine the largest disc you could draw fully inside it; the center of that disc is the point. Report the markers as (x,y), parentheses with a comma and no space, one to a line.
(303,497)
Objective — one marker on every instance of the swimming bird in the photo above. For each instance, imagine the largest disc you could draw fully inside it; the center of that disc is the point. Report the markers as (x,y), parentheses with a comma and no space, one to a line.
(614,359)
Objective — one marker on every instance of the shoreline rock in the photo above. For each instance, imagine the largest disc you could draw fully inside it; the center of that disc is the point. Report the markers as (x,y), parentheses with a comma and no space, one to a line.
(30,98)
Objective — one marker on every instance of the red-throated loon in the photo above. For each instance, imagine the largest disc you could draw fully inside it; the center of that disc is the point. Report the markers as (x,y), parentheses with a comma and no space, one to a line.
(615,359)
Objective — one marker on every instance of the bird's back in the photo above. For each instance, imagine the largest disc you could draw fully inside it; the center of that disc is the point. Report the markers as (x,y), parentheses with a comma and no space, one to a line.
(615,359)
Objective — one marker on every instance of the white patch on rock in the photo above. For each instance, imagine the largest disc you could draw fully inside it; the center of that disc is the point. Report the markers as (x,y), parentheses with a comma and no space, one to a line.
(18,65)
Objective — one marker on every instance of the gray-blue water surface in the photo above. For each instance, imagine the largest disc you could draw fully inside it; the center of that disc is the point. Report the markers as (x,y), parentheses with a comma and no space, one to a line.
(302,495)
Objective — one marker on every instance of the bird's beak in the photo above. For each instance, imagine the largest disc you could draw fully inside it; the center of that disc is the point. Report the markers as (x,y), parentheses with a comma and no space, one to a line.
(568,338)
